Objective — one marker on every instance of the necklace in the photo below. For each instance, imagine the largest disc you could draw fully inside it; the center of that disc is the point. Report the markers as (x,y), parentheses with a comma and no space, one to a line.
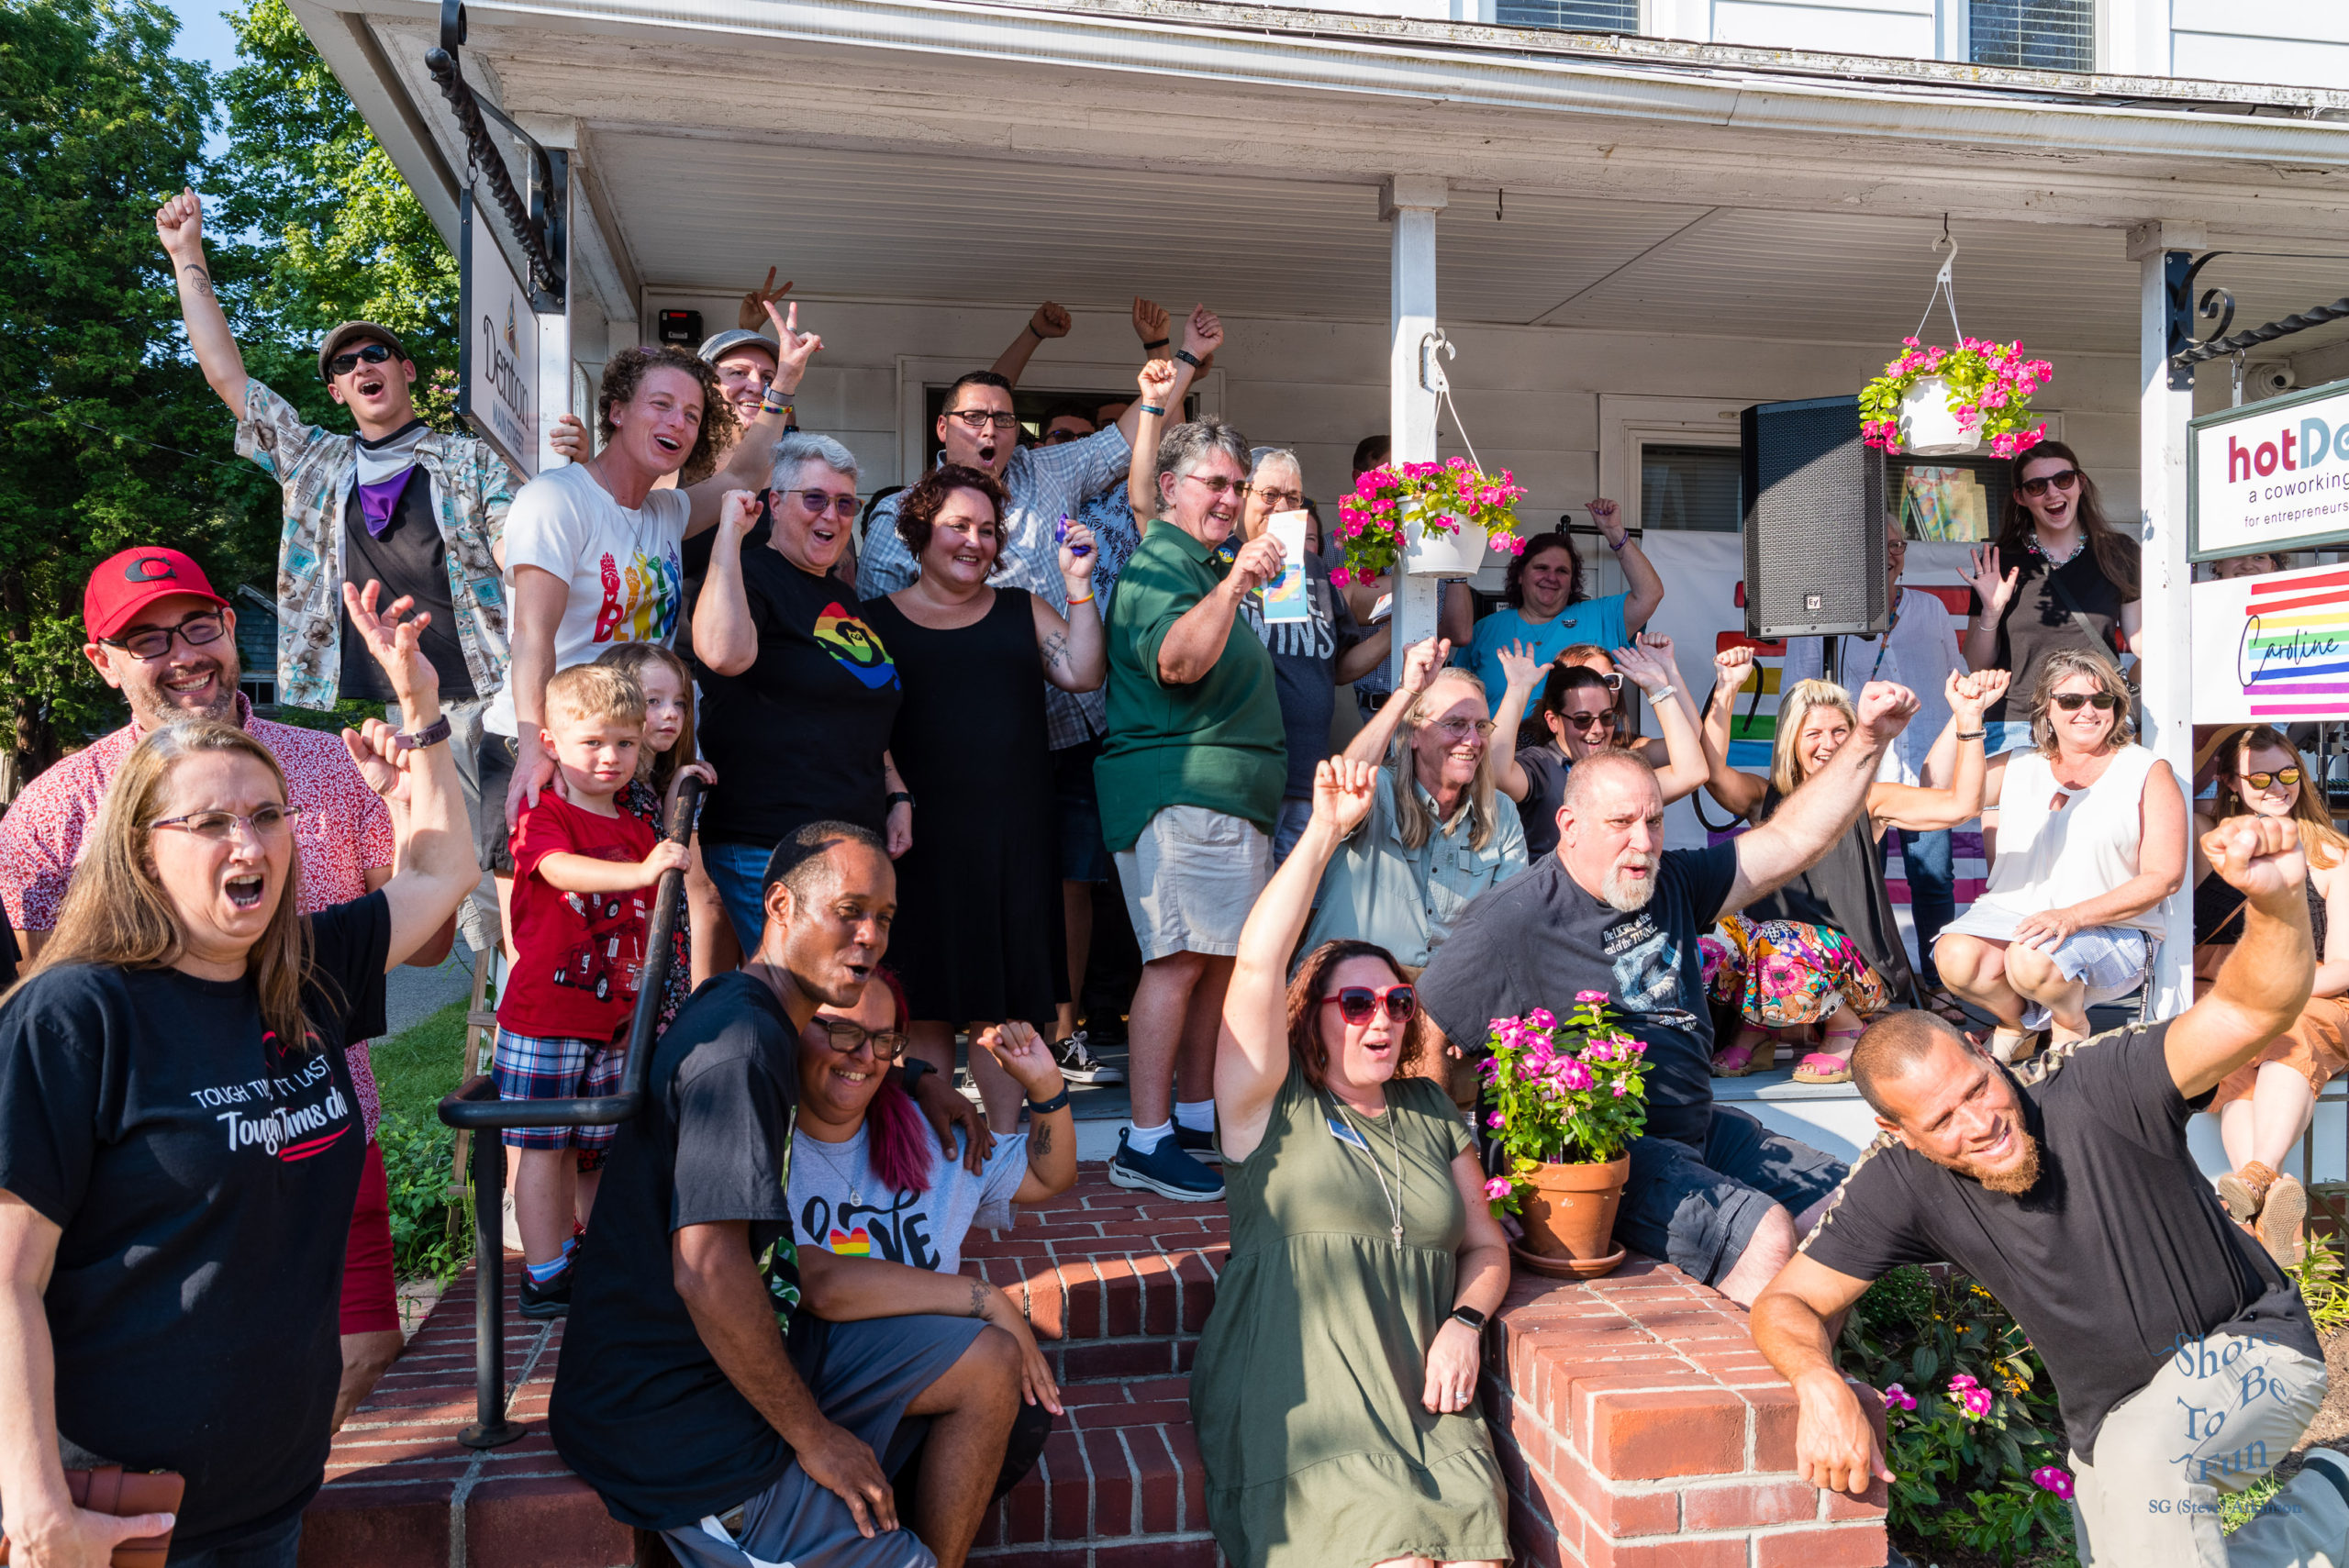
(2032,539)
(851,1177)
(1394,1194)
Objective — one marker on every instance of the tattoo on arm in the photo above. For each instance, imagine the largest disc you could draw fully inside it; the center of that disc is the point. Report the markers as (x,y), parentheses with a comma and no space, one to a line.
(1041,1140)
(1055,650)
(978,1299)
(203,280)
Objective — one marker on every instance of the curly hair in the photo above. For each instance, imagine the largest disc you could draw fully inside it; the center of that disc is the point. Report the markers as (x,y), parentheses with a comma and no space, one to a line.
(1307,993)
(625,373)
(1513,582)
(919,507)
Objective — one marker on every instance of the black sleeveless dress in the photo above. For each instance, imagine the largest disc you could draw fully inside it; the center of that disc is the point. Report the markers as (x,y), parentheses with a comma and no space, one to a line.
(978,936)
(1845,891)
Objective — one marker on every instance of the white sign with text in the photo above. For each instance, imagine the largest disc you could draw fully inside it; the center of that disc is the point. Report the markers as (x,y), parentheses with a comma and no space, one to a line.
(2272,476)
(500,353)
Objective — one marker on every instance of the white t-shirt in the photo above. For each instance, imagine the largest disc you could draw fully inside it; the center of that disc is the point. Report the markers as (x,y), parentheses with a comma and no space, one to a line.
(625,568)
(840,1203)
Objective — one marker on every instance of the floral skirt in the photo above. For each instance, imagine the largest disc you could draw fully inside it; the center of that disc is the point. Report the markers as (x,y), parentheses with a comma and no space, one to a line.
(1782,974)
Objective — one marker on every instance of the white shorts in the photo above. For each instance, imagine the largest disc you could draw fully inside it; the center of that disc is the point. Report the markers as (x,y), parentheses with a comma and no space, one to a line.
(1191,879)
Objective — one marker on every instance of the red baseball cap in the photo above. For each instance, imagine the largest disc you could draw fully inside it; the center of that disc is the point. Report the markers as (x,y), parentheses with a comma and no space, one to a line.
(125,583)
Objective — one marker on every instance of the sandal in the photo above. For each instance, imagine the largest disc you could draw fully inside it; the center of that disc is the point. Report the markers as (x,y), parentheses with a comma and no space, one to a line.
(1738,1058)
(1943,1003)
(1820,1067)
(2011,1046)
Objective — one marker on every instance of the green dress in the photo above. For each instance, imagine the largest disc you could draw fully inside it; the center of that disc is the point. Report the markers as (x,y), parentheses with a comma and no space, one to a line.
(1306,1397)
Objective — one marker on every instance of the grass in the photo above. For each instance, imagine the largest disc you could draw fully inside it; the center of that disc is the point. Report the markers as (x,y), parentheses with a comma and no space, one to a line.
(413,1070)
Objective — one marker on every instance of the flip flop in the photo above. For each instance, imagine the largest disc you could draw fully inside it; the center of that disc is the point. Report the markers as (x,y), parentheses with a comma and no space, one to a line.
(1820,1068)
(1738,1060)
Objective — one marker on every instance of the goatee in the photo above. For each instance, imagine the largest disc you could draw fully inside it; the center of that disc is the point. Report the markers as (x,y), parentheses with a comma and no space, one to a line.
(2018,1178)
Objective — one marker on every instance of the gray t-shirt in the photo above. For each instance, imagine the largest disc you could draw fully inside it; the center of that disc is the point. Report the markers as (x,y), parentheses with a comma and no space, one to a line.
(1305,655)
(840,1203)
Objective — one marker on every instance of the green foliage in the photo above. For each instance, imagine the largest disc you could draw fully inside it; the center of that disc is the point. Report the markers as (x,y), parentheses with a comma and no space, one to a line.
(1964,1478)
(2318,1275)
(430,1237)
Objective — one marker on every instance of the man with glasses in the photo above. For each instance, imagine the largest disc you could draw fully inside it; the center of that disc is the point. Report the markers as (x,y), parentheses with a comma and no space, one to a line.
(1919,652)
(161,637)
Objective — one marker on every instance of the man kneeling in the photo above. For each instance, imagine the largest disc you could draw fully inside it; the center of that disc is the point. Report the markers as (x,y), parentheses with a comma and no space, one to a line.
(699,1393)
(2184,1363)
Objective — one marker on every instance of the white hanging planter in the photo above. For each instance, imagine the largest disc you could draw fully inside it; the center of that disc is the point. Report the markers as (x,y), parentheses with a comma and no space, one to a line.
(1460,553)
(1928,429)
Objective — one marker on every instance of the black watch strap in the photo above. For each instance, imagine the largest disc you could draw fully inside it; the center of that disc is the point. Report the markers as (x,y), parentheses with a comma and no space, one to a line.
(1187,357)
(897,798)
(1046,1107)
(913,1067)
(1469,1315)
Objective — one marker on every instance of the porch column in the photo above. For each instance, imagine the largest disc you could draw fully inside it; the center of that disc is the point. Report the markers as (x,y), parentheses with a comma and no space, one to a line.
(1410,201)
(2166,674)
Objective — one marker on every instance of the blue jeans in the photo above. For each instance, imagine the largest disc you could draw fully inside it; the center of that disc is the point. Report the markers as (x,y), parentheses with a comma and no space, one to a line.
(1932,861)
(739,872)
(277,1547)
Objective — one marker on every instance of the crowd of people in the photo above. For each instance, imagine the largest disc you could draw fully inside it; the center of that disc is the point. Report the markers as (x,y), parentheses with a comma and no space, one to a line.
(928,726)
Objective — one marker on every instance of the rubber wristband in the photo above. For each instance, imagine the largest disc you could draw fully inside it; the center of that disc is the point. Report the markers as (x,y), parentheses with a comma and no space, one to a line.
(1086,600)
(1030,330)
(1970,734)
(1047,1108)
(772,404)
(1153,408)
(432,734)
(1155,343)
(1656,699)
(1187,357)
(1619,547)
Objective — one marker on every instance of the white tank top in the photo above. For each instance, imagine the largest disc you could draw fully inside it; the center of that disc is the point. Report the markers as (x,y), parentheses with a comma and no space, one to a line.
(2048,859)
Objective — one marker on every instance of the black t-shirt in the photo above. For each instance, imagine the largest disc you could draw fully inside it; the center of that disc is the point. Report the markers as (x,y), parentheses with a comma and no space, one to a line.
(641,1408)
(203,1179)
(1545,790)
(2038,623)
(797,736)
(411,558)
(1537,939)
(2121,1249)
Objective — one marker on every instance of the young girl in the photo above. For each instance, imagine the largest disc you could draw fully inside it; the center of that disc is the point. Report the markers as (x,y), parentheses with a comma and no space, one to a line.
(667,756)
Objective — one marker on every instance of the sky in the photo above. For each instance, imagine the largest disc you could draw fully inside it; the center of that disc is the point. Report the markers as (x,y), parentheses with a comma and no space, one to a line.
(204,33)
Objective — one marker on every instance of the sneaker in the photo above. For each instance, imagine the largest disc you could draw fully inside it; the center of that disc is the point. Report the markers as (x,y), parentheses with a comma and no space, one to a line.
(552,1300)
(1079,1065)
(1166,1170)
(2281,1218)
(1198,1145)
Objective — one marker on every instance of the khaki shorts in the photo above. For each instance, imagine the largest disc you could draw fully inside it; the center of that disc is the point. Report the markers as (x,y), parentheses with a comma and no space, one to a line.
(1191,879)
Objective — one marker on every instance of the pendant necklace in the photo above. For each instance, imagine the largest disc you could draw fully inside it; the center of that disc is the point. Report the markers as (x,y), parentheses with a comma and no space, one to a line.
(853,1182)
(1394,1196)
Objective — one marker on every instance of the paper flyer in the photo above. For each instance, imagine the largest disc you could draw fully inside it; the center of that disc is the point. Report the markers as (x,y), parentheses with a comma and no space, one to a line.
(1284,596)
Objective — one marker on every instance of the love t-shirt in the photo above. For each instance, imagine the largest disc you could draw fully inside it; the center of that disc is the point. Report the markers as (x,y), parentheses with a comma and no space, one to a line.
(625,567)
(840,1203)
(203,1173)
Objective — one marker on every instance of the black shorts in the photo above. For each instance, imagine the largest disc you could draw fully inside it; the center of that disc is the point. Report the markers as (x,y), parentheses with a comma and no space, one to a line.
(493,771)
(1083,856)
(1698,1210)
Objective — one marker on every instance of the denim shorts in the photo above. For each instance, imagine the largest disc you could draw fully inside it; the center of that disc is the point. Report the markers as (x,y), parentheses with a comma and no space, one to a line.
(1083,856)
(1697,1209)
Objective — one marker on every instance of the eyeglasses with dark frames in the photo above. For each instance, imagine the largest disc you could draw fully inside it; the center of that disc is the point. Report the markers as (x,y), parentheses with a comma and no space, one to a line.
(845,1035)
(976,419)
(1356,1004)
(198,630)
(373,353)
(1604,719)
(1279,500)
(2285,776)
(219,827)
(2064,479)
(2072,702)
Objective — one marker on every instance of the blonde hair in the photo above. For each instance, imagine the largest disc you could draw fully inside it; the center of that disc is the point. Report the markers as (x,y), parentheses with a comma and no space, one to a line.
(2061,666)
(1414,823)
(595,690)
(1785,764)
(2320,838)
(116,914)
(656,768)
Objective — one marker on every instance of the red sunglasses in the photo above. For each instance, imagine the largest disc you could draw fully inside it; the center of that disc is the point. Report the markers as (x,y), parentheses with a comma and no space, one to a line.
(1356,1004)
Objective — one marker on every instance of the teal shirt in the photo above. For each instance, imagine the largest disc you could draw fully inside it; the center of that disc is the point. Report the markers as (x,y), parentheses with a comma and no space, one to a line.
(1216,742)
(1599,621)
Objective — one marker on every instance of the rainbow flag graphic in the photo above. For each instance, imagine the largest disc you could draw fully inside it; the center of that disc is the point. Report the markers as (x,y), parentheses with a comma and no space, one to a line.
(856,1243)
(2294,653)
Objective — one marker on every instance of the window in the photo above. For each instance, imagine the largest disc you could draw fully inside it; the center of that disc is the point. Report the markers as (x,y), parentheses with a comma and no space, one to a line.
(1574,15)
(1689,487)
(2037,35)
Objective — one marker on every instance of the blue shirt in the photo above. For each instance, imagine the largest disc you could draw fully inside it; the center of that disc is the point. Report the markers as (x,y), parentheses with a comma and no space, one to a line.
(1599,621)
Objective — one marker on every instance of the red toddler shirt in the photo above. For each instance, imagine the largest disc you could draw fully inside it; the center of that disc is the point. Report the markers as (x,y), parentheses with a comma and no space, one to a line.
(581,955)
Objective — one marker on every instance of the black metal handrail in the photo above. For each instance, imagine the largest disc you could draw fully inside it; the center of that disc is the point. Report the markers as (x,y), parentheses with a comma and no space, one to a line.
(475,1107)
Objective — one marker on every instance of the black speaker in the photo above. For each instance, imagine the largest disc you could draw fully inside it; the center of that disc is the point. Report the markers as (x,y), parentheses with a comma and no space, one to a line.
(1813,496)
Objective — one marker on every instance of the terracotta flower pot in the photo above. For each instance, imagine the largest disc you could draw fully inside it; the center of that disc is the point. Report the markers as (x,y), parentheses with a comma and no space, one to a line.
(1570,1213)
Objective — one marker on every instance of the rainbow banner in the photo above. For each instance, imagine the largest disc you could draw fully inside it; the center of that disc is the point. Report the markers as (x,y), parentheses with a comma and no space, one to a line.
(2272,648)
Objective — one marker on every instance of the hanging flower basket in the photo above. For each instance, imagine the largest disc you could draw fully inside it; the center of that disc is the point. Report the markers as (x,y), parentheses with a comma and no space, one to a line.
(1437,519)
(1567,1099)
(1937,402)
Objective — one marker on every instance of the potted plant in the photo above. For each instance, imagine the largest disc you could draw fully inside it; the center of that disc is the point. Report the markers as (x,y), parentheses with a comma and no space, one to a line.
(1567,1100)
(1436,517)
(1935,402)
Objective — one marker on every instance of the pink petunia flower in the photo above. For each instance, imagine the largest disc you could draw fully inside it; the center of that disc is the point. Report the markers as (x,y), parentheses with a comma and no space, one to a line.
(1898,1398)
(1590,996)
(2052,1478)
(1498,1188)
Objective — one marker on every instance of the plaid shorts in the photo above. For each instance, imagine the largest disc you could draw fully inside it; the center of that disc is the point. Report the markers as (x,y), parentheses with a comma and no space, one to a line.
(531,1069)
(2109,960)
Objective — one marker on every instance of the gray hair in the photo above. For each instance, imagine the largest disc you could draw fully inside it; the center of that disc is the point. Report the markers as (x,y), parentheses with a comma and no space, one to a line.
(1185,446)
(799,448)
(1267,456)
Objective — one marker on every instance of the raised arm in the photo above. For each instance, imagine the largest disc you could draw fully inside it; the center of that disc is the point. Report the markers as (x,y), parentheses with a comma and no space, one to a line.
(1251,1049)
(1048,321)
(1151,411)
(1523,672)
(1075,654)
(1996,591)
(1649,665)
(1202,336)
(1051,1136)
(724,637)
(1645,589)
(1420,661)
(179,223)
(1808,821)
(2265,981)
(752,462)
(1741,792)
(436,866)
(1835,1444)
(1926,810)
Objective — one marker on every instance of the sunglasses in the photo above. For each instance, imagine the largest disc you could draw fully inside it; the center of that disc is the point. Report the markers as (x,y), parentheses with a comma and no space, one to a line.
(1356,1004)
(1603,720)
(822,501)
(2261,780)
(846,1034)
(200,628)
(1058,438)
(343,365)
(2072,702)
(2063,481)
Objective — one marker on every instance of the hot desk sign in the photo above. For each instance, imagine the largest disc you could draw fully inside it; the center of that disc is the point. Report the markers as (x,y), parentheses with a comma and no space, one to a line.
(2272,476)
(498,375)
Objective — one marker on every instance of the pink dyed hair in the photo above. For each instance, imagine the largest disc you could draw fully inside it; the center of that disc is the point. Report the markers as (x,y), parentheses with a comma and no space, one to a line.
(902,1144)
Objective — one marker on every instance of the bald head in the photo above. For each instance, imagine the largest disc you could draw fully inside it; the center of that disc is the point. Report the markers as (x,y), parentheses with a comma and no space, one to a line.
(1611,772)
(1896,1045)
(1943,1097)
(1610,829)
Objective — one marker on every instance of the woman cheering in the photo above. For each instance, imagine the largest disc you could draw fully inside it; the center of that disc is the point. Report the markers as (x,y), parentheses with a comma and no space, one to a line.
(1335,1390)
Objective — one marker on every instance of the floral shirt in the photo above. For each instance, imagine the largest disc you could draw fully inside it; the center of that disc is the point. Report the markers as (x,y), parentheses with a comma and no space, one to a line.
(344,832)
(316,470)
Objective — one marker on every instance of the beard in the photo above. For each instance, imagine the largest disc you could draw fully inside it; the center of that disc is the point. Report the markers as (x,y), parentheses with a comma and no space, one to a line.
(155,708)
(1633,895)
(2014,1181)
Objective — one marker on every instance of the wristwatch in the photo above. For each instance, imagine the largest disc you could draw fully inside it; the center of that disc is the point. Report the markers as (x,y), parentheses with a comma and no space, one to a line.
(897,798)
(913,1067)
(432,734)
(1046,1107)
(1469,1315)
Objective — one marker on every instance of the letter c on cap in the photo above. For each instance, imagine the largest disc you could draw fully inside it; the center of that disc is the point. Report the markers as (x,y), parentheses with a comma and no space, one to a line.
(150,569)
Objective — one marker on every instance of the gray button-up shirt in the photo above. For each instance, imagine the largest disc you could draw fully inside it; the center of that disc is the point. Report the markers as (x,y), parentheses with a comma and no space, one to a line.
(1406,900)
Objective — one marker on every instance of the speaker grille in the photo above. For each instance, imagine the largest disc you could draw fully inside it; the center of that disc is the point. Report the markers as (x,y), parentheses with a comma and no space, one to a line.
(1814,500)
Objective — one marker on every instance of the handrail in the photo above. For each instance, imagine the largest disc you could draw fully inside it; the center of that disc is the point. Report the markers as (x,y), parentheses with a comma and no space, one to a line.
(475,1106)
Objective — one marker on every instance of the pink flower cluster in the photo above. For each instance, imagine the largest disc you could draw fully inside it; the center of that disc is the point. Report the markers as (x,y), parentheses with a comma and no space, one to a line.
(1898,1398)
(1974,1400)
(1496,1189)
(1372,517)
(1994,384)
(2052,1478)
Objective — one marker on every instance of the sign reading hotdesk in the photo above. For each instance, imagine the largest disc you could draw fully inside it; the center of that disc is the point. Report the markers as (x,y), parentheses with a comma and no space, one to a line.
(2271,650)
(2271,476)
(497,369)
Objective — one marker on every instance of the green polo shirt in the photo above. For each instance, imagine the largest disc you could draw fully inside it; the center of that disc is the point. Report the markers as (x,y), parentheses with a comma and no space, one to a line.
(1216,742)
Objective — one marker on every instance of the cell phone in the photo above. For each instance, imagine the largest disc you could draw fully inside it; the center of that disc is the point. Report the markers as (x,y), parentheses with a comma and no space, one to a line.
(1060,536)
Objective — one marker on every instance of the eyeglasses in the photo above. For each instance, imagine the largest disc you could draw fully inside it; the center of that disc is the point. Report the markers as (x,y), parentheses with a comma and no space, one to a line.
(1461,728)
(219,827)
(977,419)
(2286,776)
(1356,1004)
(1614,681)
(1279,500)
(846,1034)
(2072,702)
(822,501)
(343,365)
(1603,720)
(2062,480)
(203,628)
(1221,487)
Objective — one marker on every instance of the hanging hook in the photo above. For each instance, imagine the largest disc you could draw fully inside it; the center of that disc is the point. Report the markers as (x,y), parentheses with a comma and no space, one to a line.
(1944,284)
(1431,376)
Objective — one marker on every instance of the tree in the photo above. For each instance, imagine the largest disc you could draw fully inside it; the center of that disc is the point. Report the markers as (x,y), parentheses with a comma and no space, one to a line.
(112,438)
